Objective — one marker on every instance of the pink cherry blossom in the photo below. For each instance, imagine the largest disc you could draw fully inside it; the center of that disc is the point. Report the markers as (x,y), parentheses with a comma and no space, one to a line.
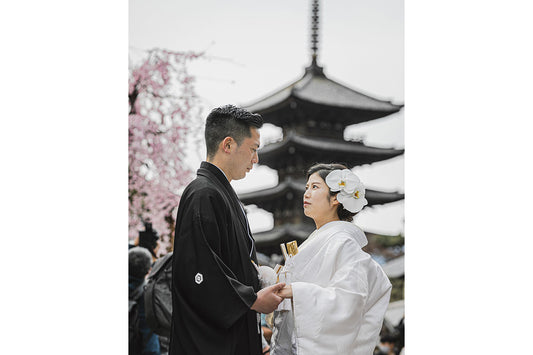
(164,110)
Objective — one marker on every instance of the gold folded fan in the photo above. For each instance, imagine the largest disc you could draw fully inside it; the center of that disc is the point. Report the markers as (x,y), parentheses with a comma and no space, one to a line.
(291,249)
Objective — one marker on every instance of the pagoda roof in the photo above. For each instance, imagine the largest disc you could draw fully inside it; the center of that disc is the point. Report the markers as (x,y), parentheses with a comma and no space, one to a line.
(282,234)
(323,149)
(395,268)
(264,198)
(315,88)
(268,242)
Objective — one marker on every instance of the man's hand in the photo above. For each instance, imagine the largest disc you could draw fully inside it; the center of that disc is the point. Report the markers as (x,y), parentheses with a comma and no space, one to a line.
(267,299)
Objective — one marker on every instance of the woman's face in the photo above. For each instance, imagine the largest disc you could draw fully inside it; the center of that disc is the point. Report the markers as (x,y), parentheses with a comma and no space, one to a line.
(318,204)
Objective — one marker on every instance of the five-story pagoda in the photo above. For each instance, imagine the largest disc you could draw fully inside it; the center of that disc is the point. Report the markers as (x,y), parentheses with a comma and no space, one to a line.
(313,113)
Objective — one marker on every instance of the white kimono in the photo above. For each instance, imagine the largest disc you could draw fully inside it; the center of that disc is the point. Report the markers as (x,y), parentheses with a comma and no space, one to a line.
(340,295)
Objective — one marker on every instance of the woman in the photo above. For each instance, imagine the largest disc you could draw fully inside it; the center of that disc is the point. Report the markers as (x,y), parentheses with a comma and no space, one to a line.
(337,296)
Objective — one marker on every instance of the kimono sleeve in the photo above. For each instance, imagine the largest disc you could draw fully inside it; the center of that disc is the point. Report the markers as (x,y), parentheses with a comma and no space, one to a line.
(208,286)
(328,313)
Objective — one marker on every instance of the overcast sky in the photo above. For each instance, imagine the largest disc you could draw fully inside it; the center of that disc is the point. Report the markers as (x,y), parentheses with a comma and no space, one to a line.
(253,48)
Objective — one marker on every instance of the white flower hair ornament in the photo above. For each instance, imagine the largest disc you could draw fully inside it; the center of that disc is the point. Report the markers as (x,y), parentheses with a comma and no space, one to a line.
(351,190)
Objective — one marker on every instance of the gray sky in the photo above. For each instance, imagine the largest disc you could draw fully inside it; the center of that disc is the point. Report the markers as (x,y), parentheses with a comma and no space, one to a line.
(254,48)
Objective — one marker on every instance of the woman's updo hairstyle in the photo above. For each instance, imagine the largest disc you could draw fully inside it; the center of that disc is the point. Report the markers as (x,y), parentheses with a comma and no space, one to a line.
(323,170)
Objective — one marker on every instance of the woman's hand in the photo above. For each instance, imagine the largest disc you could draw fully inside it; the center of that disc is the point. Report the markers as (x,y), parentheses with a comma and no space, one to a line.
(285,292)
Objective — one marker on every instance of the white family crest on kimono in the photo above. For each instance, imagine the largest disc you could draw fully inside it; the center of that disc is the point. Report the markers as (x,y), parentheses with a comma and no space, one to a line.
(340,295)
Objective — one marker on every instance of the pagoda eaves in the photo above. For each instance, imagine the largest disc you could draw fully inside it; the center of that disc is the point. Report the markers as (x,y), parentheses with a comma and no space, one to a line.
(269,241)
(268,198)
(306,151)
(314,95)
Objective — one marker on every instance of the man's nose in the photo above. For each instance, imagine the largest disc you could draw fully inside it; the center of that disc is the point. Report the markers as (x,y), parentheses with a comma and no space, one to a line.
(255,158)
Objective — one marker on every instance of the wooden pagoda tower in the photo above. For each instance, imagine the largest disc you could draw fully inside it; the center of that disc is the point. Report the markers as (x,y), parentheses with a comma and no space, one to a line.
(312,113)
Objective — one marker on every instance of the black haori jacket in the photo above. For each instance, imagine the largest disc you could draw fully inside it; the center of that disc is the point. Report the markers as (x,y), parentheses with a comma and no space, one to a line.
(214,280)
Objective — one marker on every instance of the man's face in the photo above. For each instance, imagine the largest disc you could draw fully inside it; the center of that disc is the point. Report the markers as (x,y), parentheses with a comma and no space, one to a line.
(245,156)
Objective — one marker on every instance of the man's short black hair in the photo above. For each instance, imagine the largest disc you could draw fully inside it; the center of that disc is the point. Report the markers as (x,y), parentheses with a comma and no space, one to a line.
(229,121)
(139,262)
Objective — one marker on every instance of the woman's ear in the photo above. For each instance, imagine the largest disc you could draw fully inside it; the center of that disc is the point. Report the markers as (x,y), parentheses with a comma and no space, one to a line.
(333,201)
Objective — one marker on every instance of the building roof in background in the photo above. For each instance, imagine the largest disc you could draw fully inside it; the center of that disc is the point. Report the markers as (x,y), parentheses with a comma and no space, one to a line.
(313,149)
(296,187)
(394,268)
(316,88)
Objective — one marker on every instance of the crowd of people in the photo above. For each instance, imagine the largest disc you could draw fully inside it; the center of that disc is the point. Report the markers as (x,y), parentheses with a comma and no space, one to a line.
(142,254)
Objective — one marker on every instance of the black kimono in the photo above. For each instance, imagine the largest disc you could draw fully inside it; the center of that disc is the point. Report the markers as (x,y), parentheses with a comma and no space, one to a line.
(214,280)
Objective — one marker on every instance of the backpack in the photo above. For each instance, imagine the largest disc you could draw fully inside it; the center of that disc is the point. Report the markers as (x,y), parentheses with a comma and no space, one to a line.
(135,337)
(158,296)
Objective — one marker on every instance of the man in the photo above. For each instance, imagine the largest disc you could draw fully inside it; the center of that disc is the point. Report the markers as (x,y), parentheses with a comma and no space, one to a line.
(385,346)
(150,240)
(144,340)
(215,290)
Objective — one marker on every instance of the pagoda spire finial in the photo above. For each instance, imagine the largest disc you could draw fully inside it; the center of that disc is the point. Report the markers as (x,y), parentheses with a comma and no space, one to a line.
(314,31)
(314,68)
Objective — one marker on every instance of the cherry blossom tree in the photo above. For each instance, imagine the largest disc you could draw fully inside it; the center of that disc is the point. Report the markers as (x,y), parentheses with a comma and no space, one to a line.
(163,112)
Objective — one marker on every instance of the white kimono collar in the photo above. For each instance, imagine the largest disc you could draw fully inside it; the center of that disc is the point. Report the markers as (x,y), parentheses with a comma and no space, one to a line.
(348,227)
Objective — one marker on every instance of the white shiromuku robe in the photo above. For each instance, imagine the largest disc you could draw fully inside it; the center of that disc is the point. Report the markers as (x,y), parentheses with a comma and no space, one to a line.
(340,295)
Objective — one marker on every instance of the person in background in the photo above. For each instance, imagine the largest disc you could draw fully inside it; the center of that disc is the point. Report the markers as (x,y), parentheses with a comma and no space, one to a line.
(265,345)
(139,265)
(385,346)
(267,331)
(149,239)
(400,337)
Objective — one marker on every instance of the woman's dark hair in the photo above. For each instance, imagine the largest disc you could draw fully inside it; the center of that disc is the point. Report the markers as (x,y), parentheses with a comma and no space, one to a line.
(323,170)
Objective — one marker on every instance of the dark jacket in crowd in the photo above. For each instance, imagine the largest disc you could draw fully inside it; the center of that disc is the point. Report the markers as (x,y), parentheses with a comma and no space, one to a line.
(150,340)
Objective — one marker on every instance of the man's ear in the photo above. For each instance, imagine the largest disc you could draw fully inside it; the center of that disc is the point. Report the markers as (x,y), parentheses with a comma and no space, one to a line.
(227,144)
